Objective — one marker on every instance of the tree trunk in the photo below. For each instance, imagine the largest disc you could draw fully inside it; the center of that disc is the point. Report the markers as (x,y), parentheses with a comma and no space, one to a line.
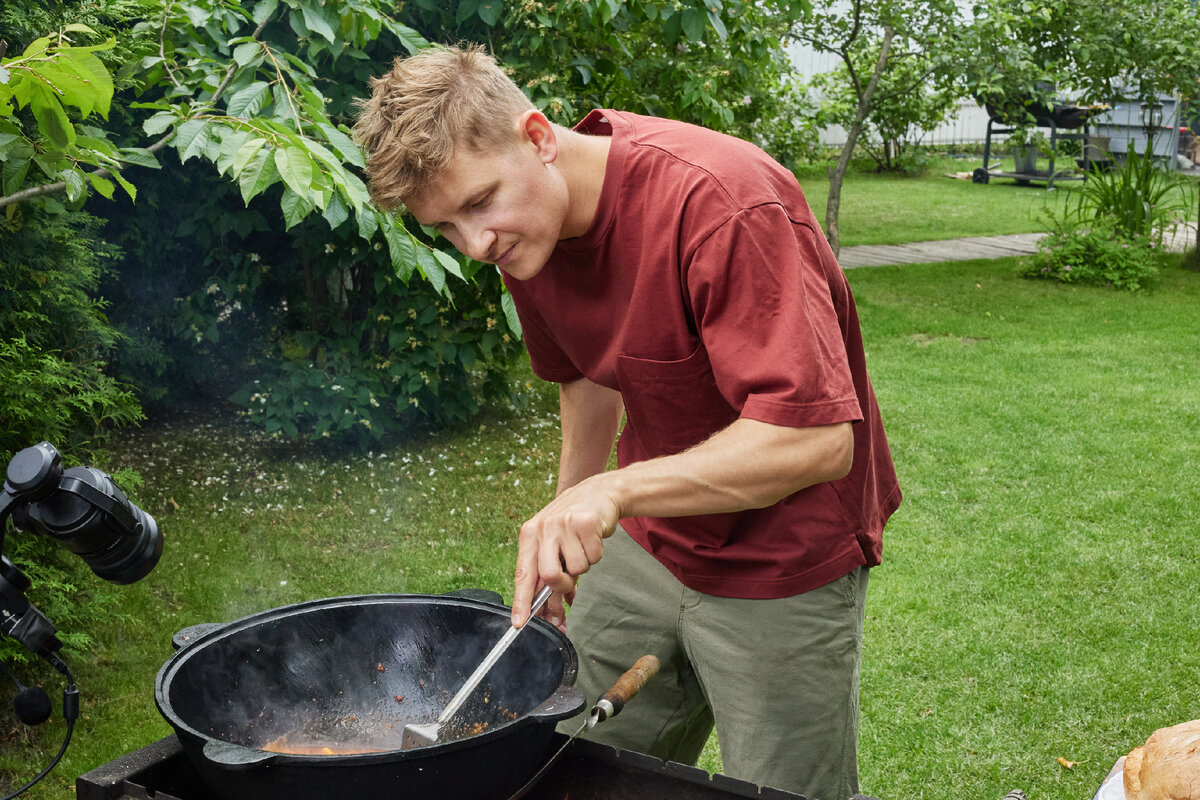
(838,171)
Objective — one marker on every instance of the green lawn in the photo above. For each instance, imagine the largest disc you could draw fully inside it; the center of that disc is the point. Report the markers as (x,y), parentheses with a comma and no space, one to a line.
(894,209)
(1038,597)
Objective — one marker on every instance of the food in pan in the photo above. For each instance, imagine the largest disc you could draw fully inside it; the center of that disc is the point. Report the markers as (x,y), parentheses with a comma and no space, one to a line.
(283,745)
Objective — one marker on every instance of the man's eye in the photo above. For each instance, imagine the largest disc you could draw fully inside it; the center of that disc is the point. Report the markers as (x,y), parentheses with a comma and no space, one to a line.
(481,202)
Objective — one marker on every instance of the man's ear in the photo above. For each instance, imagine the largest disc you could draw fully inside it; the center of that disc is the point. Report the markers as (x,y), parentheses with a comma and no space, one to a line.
(538,131)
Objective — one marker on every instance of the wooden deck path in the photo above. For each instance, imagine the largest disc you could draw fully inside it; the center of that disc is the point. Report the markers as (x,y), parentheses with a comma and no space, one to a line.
(873,255)
(879,255)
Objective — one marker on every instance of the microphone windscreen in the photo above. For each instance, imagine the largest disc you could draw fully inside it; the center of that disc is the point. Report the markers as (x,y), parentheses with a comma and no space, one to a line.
(32,705)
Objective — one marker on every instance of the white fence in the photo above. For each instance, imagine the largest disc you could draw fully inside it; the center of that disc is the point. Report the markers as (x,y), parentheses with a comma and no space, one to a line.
(967,125)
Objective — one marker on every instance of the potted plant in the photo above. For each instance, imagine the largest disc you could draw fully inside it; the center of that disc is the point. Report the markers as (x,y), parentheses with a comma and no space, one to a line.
(1027,145)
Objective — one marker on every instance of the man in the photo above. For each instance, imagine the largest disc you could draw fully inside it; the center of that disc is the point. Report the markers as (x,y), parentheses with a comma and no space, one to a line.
(676,277)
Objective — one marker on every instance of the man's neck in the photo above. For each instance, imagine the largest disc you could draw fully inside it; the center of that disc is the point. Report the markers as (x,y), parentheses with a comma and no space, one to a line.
(582,159)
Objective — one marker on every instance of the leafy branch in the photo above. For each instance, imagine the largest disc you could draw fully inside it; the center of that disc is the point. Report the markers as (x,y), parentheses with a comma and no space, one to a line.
(225,94)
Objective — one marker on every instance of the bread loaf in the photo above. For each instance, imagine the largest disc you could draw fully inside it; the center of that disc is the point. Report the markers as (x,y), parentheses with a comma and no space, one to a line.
(1167,766)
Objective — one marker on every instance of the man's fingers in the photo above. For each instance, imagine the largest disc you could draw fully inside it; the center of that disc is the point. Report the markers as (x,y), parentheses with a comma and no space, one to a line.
(525,580)
(555,612)
(574,557)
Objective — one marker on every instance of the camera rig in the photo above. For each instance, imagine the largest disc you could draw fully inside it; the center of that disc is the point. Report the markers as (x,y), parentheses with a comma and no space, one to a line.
(85,511)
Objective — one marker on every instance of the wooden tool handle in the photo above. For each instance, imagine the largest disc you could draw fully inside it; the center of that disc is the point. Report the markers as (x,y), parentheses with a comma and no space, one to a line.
(629,684)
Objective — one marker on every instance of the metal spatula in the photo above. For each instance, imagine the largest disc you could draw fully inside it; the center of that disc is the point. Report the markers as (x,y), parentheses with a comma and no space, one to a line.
(420,734)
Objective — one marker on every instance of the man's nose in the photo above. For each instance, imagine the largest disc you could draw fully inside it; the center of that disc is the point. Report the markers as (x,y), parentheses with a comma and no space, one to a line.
(478,240)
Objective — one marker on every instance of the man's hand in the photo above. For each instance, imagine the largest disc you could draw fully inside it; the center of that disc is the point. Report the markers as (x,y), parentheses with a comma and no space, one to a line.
(561,543)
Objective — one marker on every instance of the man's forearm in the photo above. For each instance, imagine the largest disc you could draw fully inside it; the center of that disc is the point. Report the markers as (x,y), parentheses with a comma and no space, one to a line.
(590,416)
(749,464)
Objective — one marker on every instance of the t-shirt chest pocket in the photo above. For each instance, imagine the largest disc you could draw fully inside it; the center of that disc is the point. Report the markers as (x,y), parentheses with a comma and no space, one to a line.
(672,405)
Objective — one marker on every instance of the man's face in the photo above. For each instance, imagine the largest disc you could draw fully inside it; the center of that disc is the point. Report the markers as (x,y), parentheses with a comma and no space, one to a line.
(502,206)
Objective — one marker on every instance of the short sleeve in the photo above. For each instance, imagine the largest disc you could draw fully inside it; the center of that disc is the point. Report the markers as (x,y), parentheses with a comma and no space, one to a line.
(764,296)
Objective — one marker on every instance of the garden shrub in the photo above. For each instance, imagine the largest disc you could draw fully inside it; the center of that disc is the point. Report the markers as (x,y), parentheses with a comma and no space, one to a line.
(55,339)
(54,342)
(1095,253)
(413,356)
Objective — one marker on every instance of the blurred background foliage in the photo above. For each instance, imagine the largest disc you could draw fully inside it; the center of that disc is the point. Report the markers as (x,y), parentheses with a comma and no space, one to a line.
(217,202)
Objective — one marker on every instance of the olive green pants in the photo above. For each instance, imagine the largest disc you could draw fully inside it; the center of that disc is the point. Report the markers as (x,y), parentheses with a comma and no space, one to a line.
(780,677)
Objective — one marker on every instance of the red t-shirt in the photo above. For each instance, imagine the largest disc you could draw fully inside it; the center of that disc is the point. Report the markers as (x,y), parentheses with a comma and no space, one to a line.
(704,291)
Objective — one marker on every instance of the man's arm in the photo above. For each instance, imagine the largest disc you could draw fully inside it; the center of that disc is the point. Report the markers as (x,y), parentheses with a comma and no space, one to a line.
(749,464)
(590,415)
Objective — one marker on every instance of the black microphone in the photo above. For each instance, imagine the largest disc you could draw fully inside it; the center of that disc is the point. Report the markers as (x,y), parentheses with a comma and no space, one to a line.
(32,704)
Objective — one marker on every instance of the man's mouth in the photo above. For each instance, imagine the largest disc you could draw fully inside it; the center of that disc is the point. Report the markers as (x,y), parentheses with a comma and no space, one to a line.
(505,257)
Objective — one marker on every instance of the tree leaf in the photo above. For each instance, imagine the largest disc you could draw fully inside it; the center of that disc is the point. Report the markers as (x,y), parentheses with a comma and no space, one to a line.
(245,153)
(402,249)
(92,70)
(96,145)
(13,173)
(76,187)
(695,22)
(231,141)
(191,138)
(510,311)
(368,223)
(263,10)
(126,185)
(258,175)
(432,269)
(295,167)
(489,11)
(283,103)
(51,118)
(102,185)
(343,144)
(317,20)
(335,212)
(295,207)
(449,263)
(714,19)
(139,156)
(248,101)
(159,122)
(247,52)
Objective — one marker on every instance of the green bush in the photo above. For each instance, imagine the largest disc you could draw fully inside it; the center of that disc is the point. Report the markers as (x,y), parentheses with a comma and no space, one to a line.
(384,356)
(54,342)
(55,338)
(1096,253)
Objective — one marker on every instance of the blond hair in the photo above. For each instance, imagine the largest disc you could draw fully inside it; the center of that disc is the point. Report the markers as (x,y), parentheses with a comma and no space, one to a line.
(429,104)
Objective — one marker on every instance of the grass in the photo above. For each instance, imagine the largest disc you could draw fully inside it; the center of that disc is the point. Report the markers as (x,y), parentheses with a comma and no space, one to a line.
(1038,595)
(894,209)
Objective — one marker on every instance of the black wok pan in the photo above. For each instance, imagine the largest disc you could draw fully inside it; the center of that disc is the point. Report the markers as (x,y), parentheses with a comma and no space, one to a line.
(347,674)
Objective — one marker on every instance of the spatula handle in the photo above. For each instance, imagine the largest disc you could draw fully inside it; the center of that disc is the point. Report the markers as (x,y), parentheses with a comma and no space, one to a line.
(626,687)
